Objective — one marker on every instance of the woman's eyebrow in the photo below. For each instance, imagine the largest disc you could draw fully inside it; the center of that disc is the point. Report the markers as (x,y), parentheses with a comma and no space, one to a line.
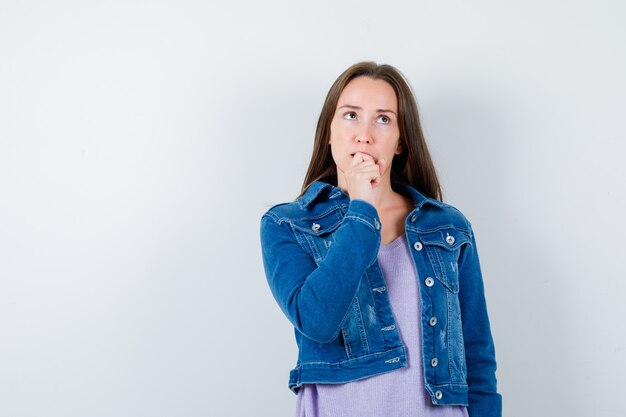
(350,106)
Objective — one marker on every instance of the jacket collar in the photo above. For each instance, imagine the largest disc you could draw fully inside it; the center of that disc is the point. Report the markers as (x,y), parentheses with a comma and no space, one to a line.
(317,187)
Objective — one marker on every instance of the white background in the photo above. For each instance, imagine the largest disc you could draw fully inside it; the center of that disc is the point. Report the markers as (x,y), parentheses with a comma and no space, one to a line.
(141,141)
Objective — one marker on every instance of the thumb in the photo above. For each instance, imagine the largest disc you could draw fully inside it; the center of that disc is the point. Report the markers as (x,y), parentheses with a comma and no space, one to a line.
(382,165)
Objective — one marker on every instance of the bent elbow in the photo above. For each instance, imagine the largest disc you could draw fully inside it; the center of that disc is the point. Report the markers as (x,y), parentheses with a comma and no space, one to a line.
(320,333)
(314,323)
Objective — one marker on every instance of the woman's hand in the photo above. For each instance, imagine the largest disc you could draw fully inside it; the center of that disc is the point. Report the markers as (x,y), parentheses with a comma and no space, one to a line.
(363,177)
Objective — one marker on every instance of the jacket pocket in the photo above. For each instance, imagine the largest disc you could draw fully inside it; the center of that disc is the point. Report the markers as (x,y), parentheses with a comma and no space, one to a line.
(317,233)
(443,247)
(354,332)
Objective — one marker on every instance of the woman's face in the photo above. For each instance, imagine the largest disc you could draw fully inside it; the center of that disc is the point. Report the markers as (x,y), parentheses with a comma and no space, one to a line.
(365,120)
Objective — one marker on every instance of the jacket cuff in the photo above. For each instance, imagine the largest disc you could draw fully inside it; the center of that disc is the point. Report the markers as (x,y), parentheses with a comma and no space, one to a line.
(362,211)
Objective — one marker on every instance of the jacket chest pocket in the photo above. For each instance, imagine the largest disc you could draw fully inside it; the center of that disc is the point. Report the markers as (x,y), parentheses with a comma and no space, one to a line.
(317,233)
(443,248)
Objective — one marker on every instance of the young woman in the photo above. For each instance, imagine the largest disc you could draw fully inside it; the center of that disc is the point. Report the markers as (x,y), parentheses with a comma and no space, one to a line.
(380,278)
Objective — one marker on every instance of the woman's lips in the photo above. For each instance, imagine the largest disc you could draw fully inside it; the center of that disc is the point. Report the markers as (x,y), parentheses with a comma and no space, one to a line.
(366,153)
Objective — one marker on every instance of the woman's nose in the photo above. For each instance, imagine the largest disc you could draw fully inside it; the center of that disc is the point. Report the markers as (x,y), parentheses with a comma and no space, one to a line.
(364,136)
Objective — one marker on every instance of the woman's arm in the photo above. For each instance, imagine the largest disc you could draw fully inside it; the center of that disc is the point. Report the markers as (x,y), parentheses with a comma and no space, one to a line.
(316,298)
(484,400)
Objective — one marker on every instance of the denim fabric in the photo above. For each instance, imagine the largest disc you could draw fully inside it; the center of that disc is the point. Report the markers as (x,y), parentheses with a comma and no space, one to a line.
(320,259)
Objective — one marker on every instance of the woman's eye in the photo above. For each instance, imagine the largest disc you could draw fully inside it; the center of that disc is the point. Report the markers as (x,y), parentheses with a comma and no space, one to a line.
(350,115)
(383,119)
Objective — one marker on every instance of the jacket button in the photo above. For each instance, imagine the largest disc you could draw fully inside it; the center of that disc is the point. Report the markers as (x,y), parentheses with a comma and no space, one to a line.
(432,321)
(434,362)
(429,282)
(450,240)
(438,395)
(315,226)
(413,217)
(417,245)
(377,224)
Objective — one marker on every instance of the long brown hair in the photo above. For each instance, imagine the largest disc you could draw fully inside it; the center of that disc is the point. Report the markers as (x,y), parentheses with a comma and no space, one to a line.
(413,166)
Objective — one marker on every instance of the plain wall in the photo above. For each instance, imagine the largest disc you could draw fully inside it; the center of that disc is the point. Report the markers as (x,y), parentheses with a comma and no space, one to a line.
(140,142)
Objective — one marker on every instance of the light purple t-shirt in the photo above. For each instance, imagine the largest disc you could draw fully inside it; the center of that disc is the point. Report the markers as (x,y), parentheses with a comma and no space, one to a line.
(399,393)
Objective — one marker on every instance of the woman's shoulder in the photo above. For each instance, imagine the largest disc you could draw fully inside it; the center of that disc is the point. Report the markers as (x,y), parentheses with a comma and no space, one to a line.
(317,200)
(281,210)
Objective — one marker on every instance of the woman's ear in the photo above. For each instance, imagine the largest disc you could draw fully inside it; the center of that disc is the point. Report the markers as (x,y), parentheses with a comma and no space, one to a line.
(399,148)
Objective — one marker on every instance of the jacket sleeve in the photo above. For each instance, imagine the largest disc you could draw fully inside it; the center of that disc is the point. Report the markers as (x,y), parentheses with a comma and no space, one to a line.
(484,400)
(315,298)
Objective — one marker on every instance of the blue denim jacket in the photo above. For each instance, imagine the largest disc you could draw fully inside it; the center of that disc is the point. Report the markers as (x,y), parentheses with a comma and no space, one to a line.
(320,258)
